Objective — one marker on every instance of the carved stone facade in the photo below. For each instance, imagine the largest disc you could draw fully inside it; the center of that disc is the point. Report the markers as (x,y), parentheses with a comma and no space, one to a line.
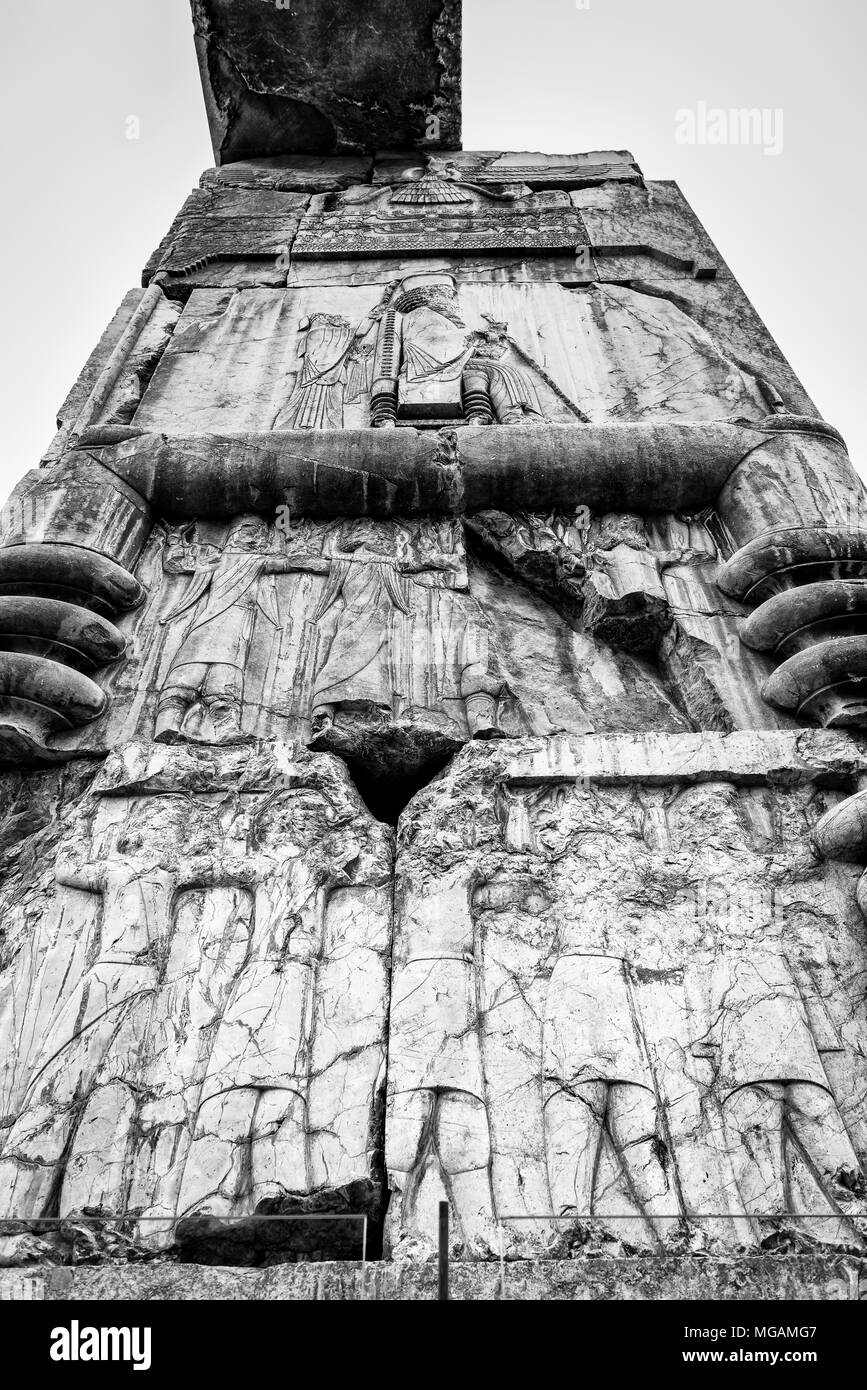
(433,739)
(653,1001)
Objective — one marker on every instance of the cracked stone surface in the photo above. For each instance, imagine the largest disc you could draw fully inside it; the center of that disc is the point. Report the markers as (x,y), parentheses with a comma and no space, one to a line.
(237,354)
(622,1001)
(225,222)
(807,1277)
(195,999)
(328,78)
(433,683)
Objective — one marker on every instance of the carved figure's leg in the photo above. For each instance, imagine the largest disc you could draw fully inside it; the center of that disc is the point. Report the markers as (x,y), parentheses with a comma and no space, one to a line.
(632,1127)
(812,1116)
(439,1146)
(175,699)
(223,698)
(754,1123)
(278,1145)
(574,1130)
(217,1173)
(579,1124)
(463,1143)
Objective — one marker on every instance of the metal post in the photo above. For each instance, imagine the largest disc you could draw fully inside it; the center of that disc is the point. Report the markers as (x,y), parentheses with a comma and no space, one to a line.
(502,1260)
(443,1294)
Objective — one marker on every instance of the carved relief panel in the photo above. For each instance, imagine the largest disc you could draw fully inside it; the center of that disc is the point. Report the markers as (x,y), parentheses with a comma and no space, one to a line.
(434,214)
(384,641)
(204,994)
(635,1008)
(439,344)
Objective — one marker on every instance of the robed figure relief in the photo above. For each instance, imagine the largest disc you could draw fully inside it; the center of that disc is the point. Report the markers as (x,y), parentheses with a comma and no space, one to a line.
(336,363)
(599,1094)
(394,637)
(231,588)
(497,387)
(430,366)
(398,631)
(787,1139)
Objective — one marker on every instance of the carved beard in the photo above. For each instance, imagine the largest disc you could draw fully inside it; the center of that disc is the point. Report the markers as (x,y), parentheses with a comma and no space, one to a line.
(442,304)
(362,537)
(440,301)
(245,540)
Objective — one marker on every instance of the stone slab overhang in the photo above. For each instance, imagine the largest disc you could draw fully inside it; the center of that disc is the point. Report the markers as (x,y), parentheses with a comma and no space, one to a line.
(329,76)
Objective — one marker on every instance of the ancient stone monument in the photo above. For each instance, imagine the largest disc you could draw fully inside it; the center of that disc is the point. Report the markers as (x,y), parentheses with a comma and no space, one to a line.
(433,710)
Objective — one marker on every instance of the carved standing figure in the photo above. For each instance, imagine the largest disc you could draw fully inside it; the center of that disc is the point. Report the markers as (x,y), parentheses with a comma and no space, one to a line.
(83,1071)
(496,389)
(336,361)
(380,580)
(422,349)
(782,1121)
(210,662)
(438,1140)
(598,1088)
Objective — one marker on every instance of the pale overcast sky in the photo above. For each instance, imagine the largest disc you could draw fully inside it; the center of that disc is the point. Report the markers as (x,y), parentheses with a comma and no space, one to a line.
(85,205)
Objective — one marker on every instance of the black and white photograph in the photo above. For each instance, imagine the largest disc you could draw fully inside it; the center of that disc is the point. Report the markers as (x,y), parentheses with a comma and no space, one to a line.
(433,678)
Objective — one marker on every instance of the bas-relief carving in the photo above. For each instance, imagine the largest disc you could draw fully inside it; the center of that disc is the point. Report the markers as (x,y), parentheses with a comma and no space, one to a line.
(433,214)
(382,641)
(535,169)
(585,1020)
(206,901)
(226,596)
(712,1082)
(196,1020)
(413,357)
(380,576)
(436,345)
(334,375)
(428,366)
(641,585)
(788,1140)
(384,647)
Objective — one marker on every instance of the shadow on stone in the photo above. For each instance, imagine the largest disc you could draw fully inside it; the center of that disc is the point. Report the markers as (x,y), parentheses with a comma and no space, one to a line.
(332,1231)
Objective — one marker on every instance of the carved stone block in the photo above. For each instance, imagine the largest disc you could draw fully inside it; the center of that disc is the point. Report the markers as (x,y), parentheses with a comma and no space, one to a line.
(203,991)
(435,215)
(602,992)
(376,77)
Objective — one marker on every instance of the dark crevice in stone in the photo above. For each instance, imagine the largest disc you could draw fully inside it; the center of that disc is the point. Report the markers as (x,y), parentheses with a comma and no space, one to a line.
(386,795)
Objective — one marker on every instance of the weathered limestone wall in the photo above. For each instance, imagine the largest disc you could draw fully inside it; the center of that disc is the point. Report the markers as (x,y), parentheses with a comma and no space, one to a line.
(432,680)
(655,998)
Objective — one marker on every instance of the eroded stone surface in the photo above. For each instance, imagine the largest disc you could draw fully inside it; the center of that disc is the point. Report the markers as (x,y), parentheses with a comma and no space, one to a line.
(315,358)
(462,493)
(328,78)
(195,993)
(636,1001)
(808,1277)
(228,222)
(300,173)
